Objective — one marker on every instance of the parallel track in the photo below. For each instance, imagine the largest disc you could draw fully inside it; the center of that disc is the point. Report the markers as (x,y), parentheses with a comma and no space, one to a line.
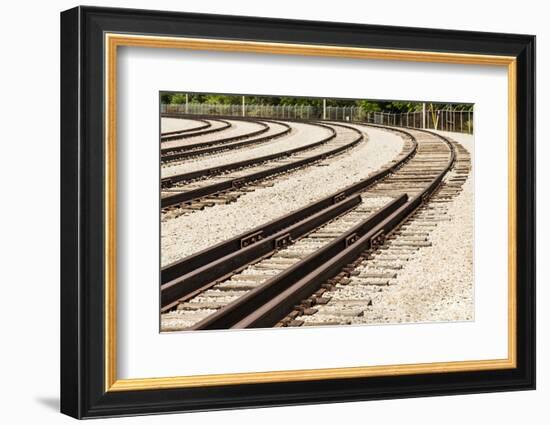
(211,126)
(234,307)
(204,125)
(231,286)
(197,189)
(226,133)
(229,143)
(347,297)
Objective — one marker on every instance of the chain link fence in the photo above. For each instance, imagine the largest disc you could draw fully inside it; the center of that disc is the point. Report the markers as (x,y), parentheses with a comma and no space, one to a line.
(448,119)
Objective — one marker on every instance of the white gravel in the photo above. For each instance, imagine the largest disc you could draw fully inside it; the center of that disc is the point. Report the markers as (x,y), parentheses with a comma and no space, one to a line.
(466,140)
(301,135)
(188,234)
(178,124)
(437,283)
(237,128)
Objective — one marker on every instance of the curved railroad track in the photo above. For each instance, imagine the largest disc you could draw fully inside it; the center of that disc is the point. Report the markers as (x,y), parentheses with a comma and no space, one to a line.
(226,130)
(187,124)
(210,126)
(275,130)
(202,188)
(348,297)
(273,274)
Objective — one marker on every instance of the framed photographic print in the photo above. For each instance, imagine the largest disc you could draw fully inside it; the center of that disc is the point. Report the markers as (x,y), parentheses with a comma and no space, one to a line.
(262,212)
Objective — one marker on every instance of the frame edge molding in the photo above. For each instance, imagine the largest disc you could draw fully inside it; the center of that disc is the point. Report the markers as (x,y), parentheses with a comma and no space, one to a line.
(81,394)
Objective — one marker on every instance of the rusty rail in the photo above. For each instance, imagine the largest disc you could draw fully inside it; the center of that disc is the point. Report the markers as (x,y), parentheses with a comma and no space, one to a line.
(252,248)
(201,258)
(202,132)
(230,145)
(249,304)
(206,124)
(169,154)
(265,305)
(237,182)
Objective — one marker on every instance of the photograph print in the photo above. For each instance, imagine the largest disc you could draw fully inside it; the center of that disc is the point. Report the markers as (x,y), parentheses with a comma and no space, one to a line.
(293,212)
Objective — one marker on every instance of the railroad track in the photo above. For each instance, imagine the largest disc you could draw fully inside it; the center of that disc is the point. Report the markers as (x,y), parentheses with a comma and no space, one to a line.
(233,130)
(275,129)
(223,184)
(203,124)
(346,297)
(280,274)
(210,126)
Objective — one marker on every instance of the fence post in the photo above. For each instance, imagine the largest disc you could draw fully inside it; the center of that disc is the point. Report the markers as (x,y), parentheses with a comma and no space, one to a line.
(423,114)
(454,119)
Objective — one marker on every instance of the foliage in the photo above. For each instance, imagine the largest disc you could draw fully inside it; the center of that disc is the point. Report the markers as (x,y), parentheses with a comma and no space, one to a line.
(368,106)
(220,99)
(365,105)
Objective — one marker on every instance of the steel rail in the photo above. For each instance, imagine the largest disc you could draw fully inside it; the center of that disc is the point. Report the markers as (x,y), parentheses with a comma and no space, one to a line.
(205,124)
(212,171)
(275,298)
(228,146)
(202,278)
(282,304)
(203,132)
(170,153)
(186,265)
(236,311)
(236,182)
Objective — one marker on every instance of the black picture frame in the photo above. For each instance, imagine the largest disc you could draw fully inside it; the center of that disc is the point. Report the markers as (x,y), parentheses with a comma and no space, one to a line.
(83,392)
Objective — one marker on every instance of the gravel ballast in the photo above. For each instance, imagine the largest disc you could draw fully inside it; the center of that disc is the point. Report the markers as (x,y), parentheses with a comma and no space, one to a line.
(187,234)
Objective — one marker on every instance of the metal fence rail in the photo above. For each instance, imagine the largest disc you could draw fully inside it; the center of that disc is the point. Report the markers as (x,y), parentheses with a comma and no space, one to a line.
(447,119)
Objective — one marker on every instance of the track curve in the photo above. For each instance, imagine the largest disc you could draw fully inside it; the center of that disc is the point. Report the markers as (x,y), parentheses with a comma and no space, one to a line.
(257,293)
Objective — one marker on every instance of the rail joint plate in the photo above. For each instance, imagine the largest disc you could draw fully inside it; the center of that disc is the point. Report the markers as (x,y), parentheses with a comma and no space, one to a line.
(351,239)
(238,183)
(377,239)
(252,238)
(339,197)
(282,241)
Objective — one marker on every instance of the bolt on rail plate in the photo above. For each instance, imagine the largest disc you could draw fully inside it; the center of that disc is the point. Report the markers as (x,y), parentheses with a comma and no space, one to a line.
(250,239)
(282,241)
(351,239)
(238,183)
(377,239)
(339,197)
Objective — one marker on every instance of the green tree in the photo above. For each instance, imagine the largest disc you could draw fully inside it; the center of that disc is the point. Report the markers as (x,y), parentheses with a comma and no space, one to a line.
(166,98)
(178,99)
(368,106)
(222,99)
